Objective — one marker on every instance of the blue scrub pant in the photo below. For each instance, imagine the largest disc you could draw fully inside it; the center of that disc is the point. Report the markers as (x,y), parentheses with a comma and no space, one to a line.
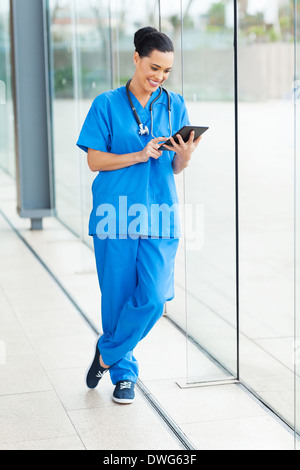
(136,278)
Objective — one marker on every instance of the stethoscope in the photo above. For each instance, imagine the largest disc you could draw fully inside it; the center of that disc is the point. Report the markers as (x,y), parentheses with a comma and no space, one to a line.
(144,129)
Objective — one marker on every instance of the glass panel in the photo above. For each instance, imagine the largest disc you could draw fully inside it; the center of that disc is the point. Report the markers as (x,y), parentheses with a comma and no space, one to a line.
(127,17)
(297,226)
(210,219)
(65,109)
(80,45)
(7,151)
(266,201)
(170,21)
(93,43)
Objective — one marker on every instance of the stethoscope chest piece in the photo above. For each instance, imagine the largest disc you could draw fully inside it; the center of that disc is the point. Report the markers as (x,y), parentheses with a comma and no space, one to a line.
(143,130)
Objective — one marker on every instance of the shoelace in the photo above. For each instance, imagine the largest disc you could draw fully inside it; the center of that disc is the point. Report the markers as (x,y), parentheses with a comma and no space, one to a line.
(100,374)
(125,385)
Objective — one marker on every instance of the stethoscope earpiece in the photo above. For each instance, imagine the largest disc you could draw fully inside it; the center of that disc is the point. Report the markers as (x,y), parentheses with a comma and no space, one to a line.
(144,129)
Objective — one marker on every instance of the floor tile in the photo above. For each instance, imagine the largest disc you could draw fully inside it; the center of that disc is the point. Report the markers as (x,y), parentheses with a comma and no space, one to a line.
(51,322)
(122,427)
(64,443)
(22,371)
(45,298)
(204,403)
(24,277)
(65,352)
(31,416)
(72,391)
(254,433)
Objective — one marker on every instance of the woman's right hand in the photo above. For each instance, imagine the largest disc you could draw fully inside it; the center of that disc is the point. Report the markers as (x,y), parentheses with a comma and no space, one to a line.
(151,149)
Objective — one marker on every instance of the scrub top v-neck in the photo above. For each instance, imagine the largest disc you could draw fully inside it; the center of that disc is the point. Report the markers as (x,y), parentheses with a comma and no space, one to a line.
(127,201)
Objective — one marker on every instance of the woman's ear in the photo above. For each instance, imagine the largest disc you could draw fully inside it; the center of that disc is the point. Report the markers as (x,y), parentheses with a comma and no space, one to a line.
(136,58)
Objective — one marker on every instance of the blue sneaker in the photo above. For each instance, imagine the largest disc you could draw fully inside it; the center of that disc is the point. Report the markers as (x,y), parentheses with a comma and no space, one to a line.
(95,372)
(124,392)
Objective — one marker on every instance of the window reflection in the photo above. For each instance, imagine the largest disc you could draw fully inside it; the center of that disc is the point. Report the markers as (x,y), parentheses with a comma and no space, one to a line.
(81,69)
(127,17)
(266,136)
(208,87)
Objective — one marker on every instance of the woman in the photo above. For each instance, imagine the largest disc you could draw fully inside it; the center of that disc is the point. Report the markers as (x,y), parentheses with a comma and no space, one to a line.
(134,221)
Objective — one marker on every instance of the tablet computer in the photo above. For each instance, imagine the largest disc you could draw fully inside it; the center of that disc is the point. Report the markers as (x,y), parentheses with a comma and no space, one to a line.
(185,134)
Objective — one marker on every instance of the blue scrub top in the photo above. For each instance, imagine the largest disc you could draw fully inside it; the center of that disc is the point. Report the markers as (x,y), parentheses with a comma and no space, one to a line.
(139,200)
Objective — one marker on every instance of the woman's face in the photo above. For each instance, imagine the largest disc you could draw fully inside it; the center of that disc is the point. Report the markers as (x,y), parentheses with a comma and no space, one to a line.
(153,71)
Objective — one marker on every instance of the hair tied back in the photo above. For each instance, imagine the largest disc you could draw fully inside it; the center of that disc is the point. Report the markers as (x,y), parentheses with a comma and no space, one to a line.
(148,39)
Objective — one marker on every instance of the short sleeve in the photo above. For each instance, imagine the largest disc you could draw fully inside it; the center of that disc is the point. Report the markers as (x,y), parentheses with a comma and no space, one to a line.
(96,130)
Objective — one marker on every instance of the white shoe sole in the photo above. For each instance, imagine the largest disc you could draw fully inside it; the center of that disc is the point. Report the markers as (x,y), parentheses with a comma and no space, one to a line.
(124,401)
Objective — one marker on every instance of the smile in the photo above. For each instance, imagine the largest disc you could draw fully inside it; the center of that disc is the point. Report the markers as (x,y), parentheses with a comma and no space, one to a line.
(153,83)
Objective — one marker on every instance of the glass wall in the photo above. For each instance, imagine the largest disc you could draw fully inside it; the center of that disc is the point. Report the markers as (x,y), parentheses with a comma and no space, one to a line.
(266,200)
(91,51)
(7,152)
(297,224)
(128,16)
(81,69)
(209,191)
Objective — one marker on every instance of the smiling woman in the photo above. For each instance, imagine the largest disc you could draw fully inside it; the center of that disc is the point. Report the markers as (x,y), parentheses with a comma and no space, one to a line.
(135,267)
(151,72)
(153,59)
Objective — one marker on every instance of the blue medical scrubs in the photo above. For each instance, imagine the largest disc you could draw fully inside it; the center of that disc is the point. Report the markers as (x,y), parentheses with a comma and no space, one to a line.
(134,223)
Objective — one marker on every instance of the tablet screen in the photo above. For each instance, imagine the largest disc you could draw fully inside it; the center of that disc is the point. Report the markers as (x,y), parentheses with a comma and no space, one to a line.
(185,134)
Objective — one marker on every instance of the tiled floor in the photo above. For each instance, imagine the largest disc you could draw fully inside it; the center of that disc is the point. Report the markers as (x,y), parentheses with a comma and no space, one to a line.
(46,346)
(44,403)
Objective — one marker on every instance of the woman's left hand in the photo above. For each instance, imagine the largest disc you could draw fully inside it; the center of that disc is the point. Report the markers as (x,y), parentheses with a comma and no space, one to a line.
(183,150)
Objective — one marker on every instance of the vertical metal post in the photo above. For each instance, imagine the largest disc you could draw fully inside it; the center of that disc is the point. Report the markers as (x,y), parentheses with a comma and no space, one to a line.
(236,108)
(32,114)
(159,15)
(111,48)
(296,229)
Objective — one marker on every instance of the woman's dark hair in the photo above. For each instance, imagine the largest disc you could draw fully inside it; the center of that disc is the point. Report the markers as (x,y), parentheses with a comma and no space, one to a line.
(148,39)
